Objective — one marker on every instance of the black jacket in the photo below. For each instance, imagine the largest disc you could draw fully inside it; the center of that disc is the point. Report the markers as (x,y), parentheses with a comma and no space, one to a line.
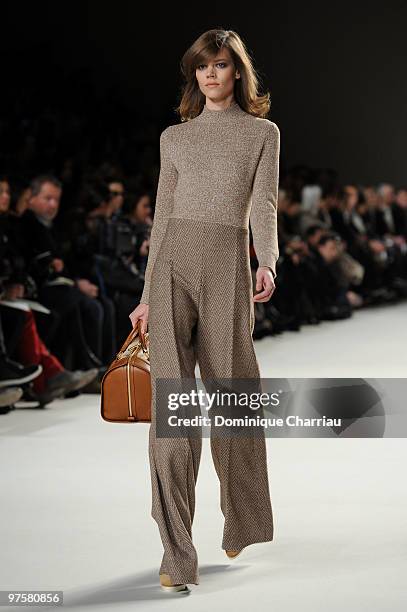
(42,244)
(13,267)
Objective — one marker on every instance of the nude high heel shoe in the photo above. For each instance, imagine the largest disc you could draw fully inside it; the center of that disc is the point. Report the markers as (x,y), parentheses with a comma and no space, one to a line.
(232,554)
(169,587)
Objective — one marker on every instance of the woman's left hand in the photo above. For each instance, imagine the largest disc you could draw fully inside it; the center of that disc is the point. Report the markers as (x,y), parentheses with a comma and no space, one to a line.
(264,284)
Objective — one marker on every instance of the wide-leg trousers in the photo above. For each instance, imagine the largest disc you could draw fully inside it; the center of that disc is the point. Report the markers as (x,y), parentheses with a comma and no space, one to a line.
(201,310)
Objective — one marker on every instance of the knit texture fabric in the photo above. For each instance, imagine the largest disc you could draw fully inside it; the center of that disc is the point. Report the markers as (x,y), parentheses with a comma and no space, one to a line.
(222,166)
(201,311)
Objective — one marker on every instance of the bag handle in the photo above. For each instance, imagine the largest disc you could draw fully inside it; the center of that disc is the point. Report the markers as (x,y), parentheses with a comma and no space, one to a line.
(143,338)
(136,331)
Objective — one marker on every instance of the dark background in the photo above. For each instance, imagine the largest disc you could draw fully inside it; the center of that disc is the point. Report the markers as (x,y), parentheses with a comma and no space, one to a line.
(336,71)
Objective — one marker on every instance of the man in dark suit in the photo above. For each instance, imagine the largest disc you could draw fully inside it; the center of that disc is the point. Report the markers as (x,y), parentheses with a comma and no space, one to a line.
(391,214)
(391,227)
(78,313)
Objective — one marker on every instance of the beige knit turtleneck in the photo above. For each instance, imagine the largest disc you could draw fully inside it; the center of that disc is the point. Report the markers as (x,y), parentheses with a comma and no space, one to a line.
(223,167)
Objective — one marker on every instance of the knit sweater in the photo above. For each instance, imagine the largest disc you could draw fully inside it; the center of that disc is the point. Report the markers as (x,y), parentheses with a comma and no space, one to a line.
(222,167)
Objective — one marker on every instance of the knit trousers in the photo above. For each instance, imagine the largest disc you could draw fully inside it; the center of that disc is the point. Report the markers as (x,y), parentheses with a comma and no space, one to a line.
(201,310)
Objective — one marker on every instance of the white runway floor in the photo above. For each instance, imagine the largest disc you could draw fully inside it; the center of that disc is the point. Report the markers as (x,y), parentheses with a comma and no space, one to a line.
(75,499)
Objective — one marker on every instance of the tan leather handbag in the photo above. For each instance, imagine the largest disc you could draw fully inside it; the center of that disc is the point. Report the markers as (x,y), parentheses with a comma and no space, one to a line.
(126,384)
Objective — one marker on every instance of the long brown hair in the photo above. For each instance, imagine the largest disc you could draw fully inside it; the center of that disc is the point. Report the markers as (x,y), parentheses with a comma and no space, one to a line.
(246,91)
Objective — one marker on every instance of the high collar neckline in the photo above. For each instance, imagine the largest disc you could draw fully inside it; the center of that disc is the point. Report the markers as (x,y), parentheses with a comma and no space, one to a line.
(232,111)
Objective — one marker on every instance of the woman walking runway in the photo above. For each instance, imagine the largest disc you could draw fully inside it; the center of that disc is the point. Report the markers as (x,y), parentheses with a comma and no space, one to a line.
(219,170)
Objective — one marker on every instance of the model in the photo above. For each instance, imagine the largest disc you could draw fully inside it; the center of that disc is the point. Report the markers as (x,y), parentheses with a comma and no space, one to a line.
(219,169)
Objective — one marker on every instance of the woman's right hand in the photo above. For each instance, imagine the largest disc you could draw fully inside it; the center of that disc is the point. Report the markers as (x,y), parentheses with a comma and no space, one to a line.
(140,312)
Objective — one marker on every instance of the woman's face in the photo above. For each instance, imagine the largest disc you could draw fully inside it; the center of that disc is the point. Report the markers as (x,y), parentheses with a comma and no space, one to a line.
(401,198)
(142,209)
(4,196)
(23,201)
(116,195)
(351,196)
(216,78)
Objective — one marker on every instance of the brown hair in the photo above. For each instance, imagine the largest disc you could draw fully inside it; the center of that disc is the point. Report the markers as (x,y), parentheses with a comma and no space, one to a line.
(246,88)
(37,183)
